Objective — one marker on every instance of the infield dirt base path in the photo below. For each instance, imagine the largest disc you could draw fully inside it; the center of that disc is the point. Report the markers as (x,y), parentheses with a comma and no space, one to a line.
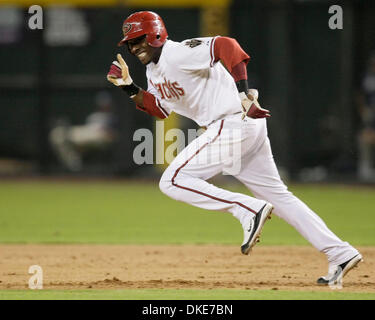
(177,266)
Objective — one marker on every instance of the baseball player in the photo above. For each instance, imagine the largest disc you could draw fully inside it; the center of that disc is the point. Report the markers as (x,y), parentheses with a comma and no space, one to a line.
(187,78)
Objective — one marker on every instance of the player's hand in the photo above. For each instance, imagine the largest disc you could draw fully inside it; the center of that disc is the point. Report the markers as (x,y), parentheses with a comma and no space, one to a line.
(251,107)
(119,73)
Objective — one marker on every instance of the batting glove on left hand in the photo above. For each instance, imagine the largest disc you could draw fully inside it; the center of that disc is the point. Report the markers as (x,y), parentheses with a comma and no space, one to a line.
(119,73)
(251,107)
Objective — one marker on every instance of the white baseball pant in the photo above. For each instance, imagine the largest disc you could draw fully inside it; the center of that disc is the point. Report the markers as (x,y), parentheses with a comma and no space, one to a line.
(242,149)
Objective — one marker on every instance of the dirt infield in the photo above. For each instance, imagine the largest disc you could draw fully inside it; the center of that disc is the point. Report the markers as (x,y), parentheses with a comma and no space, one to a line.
(180,266)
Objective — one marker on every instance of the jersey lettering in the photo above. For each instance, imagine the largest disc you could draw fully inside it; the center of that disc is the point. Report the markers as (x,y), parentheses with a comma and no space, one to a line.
(160,90)
(173,93)
(168,90)
(180,90)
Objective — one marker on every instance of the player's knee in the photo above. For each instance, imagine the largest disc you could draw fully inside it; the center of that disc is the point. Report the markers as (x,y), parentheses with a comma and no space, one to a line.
(170,184)
(166,186)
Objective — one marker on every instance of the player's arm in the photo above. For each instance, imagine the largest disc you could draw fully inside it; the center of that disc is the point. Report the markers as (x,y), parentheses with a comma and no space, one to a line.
(119,75)
(235,59)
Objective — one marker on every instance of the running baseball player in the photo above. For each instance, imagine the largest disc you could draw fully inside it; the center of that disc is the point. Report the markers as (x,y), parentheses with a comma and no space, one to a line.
(187,78)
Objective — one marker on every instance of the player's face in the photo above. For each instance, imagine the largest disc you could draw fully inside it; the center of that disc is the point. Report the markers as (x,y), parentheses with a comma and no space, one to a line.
(140,48)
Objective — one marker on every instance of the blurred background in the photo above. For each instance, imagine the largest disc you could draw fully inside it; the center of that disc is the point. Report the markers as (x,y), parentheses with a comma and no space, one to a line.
(60,116)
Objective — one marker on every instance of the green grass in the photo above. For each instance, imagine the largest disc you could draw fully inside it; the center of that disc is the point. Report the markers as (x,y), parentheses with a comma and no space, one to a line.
(173,294)
(131,213)
(135,213)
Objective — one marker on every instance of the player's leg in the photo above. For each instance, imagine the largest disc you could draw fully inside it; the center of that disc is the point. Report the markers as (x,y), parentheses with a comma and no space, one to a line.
(185,180)
(260,175)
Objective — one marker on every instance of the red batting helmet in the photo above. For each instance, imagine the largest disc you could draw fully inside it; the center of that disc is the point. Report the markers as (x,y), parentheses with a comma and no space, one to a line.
(144,23)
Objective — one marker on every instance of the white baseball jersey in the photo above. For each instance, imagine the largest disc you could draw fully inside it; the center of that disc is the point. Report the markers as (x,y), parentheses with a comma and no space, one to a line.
(186,80)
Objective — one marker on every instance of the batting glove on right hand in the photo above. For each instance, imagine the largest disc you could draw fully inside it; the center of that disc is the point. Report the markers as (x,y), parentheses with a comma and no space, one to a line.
(119,73)
(251,107)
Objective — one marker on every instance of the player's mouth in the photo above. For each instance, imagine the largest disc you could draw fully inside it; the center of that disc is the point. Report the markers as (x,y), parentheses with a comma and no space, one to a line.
(142,56)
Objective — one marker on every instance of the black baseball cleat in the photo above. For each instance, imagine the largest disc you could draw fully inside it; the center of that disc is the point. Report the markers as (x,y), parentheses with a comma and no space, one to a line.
(253,226)
(337,272)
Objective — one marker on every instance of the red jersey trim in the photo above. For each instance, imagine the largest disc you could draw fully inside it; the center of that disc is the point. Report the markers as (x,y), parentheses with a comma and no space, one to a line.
(158,104)
(212,52)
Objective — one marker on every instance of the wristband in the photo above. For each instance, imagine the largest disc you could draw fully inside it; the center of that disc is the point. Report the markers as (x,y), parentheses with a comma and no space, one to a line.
(242,86)
(131,89)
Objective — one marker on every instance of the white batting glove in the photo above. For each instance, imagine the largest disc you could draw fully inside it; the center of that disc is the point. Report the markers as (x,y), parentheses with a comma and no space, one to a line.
(251,107)
(254,93)
(119,73)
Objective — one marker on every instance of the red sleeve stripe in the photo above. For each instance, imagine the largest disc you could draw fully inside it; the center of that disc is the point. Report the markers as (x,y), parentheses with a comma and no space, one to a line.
(161,108)
(212,51)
